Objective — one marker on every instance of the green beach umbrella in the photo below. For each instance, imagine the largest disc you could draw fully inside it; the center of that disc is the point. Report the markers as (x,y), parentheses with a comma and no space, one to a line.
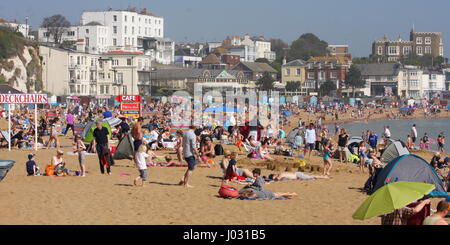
(391,197)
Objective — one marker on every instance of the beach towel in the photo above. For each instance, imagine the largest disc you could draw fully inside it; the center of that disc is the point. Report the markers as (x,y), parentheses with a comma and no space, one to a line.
(260,199)
(417,219)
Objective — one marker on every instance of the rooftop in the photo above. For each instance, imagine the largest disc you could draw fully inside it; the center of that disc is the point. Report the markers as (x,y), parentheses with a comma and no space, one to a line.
(387,69)
(297,62)
(258,67)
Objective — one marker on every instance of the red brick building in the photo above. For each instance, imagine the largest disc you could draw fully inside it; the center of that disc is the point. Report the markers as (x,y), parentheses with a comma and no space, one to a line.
(322,69)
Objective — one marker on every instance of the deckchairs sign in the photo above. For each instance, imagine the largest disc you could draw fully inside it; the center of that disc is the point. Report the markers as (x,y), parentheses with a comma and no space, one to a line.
(23,99)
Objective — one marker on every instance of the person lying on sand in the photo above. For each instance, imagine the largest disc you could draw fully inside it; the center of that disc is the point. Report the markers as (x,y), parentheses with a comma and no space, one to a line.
(257,189)
(295,176)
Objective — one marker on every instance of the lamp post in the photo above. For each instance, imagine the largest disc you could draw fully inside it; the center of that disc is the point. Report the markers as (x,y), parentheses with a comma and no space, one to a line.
(26,27)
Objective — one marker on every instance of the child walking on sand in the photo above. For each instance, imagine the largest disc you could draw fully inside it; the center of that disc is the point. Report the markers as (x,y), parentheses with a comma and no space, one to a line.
(141,164)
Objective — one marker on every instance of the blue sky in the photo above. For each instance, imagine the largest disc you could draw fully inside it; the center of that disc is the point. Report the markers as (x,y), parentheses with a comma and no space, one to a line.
(353,22)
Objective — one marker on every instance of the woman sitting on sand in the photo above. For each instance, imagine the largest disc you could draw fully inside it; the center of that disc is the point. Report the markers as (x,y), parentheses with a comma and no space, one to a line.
(239,171)
(263,152)
(59,164)
(207,150)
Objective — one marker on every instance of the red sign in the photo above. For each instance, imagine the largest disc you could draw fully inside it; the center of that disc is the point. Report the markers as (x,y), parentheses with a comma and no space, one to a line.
(23,99)
(130,106)
(129,98)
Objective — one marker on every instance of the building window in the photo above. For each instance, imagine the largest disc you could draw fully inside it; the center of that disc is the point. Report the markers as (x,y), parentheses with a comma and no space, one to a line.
(380,50)
(311,75)
(419,50)
(419,40)
(115,18)
(107,89)
(393,50)
(441,51)
(132,30)
(125,18)
(125,90)
(299,72)
(115,29)
(427,40)
(71,33)
(87,31)
(427,50)
(287,72)
(114,41)
(333,74)
(129,63)
(132,19)
(406,50)
(125,30)
(120,78)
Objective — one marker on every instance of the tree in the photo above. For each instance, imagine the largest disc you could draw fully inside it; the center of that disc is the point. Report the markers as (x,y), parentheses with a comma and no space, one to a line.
(353,79)
(280,48)
(56,25)
(265,82)
(263,60)
(423,60)
(292,86)
(328,87)
(306,46)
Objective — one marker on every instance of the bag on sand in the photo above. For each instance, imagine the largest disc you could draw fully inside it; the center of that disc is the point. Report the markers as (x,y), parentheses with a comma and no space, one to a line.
(228,191)
(49,170)
(218,150)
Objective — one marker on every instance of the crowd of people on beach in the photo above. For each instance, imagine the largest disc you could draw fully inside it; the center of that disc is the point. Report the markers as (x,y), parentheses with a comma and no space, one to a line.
(200,145)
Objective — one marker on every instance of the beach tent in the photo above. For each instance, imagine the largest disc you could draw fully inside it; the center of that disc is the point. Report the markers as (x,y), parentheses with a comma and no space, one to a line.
(112,121)
(88,132)
(410,168)
(5,166)
(125,148)
(394,149)
(353,144)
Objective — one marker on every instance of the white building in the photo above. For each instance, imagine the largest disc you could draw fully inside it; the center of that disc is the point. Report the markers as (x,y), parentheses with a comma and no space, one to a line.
(126,30)
(74,72)
(127,27)
(410,82)
(22,28)
(433,83)
(248,47)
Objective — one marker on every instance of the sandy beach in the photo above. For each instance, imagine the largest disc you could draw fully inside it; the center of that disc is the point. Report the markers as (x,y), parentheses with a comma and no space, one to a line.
(99,199)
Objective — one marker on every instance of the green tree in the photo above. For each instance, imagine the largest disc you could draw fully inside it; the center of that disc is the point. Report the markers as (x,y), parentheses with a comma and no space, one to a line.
(56,25)
(262,60)
(353,79)
(266,82)
(280,49)
(327,87)
(292,86)
(277,66)
(423,61)
(306,46)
